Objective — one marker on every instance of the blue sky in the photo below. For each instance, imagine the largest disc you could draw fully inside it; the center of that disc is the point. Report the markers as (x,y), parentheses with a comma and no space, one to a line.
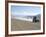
(25,10)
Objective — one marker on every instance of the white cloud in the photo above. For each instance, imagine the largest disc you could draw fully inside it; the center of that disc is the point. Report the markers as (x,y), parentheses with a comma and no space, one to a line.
(25,13)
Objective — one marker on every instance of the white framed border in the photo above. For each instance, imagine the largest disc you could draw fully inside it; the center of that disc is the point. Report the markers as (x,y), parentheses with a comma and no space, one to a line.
(28,31)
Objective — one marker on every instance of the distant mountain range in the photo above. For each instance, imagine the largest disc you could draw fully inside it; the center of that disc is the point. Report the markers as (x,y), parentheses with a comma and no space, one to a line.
(38,16)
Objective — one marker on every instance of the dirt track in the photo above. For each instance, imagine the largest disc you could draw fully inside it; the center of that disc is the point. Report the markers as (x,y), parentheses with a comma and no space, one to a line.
(17,25)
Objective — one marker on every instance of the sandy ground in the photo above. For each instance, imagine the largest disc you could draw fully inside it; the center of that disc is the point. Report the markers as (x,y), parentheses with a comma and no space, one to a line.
(18,25)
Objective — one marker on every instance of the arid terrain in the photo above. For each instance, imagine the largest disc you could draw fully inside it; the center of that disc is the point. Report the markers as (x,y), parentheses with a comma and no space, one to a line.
(18,25)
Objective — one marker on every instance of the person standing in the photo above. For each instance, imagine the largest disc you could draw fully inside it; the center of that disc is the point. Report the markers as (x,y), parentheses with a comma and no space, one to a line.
(34,19)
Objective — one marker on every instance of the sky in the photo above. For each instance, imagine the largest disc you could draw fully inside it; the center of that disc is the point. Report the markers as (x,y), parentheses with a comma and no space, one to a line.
(25,10)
